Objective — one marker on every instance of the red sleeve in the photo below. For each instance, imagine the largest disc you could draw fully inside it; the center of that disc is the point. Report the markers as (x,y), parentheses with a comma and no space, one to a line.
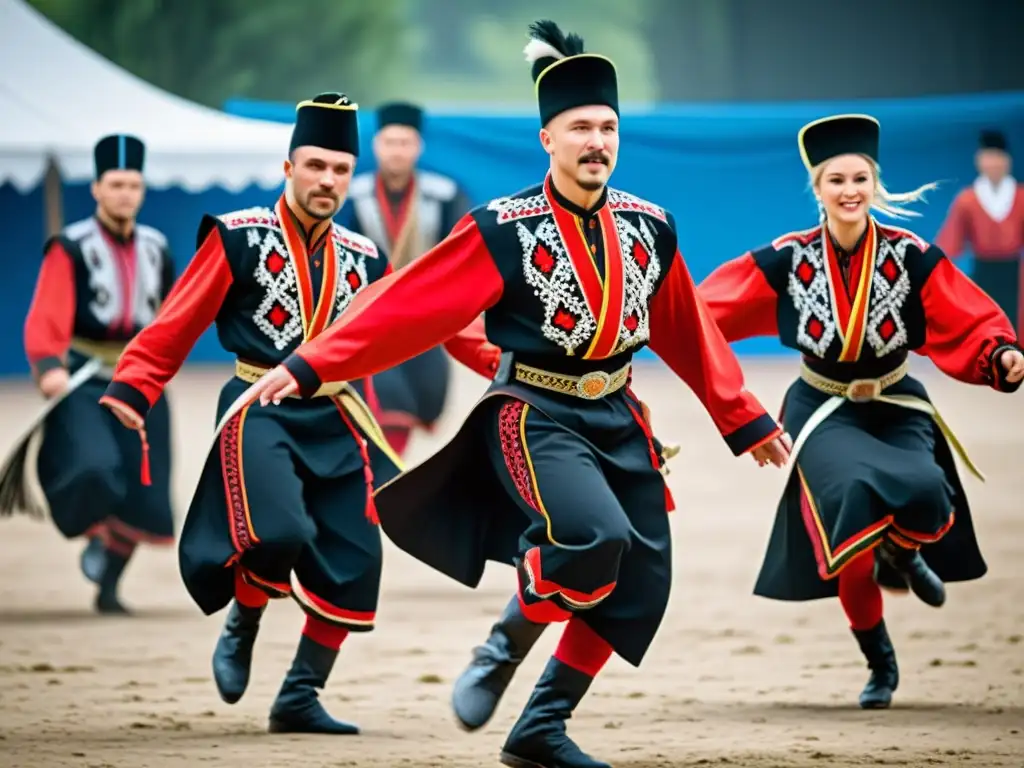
(685,336)
(51,317)
(740,300)
(955,230)
(422,305)
(471,348)
(157,352)
(966,331)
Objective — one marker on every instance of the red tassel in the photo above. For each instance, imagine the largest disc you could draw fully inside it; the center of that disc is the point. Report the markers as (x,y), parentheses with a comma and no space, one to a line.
(371,509)
(147,479)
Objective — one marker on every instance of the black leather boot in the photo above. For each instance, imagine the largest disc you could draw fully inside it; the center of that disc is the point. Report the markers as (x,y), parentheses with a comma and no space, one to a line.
(480,687)
(232,656)
(915,571)
(107,600)
(539,738)
(297,708)
(885,675)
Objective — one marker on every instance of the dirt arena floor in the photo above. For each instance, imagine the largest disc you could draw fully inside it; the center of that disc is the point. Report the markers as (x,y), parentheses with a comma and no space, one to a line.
(731,680)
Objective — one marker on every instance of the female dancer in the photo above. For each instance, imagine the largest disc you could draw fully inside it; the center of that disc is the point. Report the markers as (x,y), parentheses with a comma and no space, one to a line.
(874,497)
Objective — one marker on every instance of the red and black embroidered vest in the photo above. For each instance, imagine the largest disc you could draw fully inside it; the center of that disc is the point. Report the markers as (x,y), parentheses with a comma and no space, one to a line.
(119,284)
(575,284)
(281,295)
(879,316)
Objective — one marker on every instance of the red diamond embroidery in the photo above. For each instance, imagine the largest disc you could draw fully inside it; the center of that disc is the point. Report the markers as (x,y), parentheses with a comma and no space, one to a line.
(887,329)
(353,280)
(275,263)
(278,316)
(815,329)
(805,272)
(632,322)
(543,260)
(564,320)
(640,255)
(890,270)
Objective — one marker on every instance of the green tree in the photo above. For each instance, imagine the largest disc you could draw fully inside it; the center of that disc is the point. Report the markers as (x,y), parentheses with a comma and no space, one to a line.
(210,50)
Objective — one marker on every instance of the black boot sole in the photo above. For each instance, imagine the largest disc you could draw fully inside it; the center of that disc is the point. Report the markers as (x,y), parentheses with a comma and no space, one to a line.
(875,704)
(277,726)
(512,761)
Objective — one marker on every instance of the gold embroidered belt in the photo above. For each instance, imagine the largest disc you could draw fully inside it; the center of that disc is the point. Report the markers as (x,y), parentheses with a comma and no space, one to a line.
(108,352)
(347,396)
(872,390)
(253,372)
(858,390)
(589,386)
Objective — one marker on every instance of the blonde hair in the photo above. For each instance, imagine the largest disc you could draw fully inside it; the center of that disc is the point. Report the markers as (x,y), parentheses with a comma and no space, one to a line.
(885,202)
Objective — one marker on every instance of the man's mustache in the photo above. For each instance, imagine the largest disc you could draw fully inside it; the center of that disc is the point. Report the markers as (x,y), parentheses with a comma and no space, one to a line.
(595,157)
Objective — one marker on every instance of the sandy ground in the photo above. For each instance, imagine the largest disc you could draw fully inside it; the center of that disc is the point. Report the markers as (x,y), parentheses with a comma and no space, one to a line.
(731,680)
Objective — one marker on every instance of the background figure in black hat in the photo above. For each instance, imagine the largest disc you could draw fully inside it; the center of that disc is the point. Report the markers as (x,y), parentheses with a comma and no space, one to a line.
(874,498)
(406,211)
(102,280)
(987,218)
(555,470)
(284,505)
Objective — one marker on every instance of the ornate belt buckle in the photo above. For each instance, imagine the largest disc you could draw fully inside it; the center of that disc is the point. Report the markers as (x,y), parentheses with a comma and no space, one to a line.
(593,385)
(863,390)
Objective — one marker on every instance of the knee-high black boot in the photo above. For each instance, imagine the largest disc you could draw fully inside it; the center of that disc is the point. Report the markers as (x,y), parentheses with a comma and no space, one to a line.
(297,708)
(107,600)
(232,656)
(480,687)
(885,675)
(921,579)
(539,738)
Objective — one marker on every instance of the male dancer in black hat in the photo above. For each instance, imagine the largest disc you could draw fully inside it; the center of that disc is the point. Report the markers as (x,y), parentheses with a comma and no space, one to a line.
(284,506)
(406,212)
(555,469)
(102,280)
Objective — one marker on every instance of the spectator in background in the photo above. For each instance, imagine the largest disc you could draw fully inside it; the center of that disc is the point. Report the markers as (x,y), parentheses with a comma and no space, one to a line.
(988,218)
(406,212)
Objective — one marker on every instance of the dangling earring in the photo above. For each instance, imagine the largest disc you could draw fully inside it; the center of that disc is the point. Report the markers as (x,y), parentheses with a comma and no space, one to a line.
(821,210)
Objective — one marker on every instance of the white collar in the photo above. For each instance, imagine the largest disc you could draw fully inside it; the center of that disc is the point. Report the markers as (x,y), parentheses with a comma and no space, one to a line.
(996,199)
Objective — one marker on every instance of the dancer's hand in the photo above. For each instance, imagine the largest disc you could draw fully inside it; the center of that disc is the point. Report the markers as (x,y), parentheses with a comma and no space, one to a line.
(776,452)
(275,386)
(124,414)
(1012,361)
(53,382)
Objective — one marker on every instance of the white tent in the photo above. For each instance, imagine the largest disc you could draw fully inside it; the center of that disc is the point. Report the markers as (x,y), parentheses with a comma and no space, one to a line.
(58,97)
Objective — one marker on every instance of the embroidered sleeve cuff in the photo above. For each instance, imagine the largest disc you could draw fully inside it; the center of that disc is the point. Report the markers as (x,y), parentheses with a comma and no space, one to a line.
(128,395)
(999,373)
(308,380)
(47,364)
(751,435)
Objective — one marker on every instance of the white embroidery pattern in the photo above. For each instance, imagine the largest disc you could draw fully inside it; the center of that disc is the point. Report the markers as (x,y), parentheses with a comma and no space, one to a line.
(513,208)
(349,264)
(623,201)
(640,280)
(259,216)
(280,302)
(252,237)
(811,297)
(889,293)
(568,321)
